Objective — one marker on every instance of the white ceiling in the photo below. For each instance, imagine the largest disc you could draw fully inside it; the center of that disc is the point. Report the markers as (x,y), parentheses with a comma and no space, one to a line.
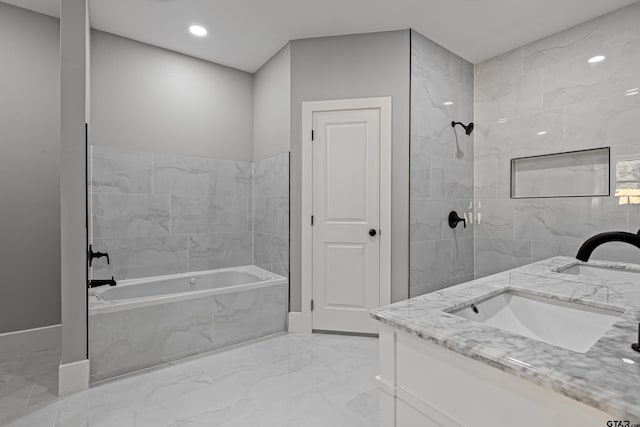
(245,33)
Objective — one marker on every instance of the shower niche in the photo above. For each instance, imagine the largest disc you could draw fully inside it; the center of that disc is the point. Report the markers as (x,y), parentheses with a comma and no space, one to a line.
(584,173)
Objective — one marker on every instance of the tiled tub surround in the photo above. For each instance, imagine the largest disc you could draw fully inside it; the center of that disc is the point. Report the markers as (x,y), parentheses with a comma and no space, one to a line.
(545,98)
(598,378)
(161,213)
(271,214)
(441,168)
(146,322)
(158,214)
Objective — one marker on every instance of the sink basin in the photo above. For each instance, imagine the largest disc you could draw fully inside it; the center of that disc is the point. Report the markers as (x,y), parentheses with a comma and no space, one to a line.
(569,325)
(599,272)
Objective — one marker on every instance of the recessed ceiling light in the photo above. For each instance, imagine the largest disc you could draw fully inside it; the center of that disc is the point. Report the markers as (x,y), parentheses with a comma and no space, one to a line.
(447,103)
(596,59)
(628,361)
(503,120)
(542,132)
(197,30)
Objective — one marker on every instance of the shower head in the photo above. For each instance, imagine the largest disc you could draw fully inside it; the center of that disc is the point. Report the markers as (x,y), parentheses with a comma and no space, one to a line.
(468,128)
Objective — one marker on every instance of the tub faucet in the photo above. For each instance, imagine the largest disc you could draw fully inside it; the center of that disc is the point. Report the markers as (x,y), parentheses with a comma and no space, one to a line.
(94,283)
(95,255)
(590,245)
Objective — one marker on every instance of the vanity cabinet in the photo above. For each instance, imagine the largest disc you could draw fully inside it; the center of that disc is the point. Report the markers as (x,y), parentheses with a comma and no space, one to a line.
(422,384)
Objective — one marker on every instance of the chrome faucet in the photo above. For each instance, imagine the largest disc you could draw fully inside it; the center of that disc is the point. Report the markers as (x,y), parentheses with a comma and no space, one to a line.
(587,248)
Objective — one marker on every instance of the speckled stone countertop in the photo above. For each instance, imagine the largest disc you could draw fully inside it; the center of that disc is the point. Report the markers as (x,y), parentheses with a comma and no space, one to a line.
(599,378)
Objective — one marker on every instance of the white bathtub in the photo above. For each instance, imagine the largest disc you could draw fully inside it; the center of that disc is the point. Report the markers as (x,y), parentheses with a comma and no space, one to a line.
(133,293)
(145,322)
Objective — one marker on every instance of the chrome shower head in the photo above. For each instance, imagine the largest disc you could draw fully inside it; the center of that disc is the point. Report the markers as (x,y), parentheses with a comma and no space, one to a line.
(468,128)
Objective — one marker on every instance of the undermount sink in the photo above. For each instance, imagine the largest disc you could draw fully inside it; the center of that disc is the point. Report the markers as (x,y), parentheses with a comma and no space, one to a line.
(569,325)
(601,272)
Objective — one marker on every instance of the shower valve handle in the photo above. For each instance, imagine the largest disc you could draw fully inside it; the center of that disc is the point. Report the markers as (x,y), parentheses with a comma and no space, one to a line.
(95,255)
(454,219)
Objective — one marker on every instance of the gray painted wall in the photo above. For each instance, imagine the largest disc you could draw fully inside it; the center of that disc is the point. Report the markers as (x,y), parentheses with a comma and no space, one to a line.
(29,169)
(354,66)
(549,86)
(272,106)
(150,99)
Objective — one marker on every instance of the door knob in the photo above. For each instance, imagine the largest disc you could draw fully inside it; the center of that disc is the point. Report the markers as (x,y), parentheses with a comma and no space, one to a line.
(373,232)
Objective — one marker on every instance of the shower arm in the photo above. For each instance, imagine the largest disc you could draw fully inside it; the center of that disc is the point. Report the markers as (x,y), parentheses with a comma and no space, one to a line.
(467,128)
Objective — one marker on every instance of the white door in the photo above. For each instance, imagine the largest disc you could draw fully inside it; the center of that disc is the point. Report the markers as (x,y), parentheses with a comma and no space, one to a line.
(346,220)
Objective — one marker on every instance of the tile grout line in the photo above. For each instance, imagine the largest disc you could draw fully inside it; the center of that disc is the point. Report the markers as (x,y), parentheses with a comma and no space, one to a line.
(33,386)
(55,418)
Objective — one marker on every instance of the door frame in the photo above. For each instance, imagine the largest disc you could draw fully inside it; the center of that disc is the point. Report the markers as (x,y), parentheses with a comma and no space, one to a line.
(304,322)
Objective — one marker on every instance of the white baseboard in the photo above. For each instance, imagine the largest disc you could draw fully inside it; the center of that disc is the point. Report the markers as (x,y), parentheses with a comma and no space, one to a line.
(299,323)
(14,345)
(73,377)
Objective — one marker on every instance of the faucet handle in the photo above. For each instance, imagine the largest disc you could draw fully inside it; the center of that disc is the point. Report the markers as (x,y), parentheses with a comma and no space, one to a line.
(454,219)
(91,255)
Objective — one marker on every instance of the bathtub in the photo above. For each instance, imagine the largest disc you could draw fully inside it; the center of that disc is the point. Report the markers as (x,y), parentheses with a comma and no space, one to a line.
(141,323)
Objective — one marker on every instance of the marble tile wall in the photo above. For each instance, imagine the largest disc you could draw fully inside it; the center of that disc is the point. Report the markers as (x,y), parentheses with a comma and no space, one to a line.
(271,214)
(573,173)
(543,98)
(441,167)
(162,213)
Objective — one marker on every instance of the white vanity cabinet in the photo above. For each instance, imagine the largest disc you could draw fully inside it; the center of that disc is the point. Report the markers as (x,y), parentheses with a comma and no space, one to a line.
(422,384)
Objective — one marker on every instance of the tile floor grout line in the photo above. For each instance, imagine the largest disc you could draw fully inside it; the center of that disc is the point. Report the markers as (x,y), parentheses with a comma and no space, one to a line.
(33,385)
(55,418)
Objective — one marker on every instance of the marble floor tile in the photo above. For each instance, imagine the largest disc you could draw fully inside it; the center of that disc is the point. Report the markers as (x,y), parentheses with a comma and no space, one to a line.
(45,390)
(37,364)
(218,416)
(6,371)
(43,417)
(28,388)
(286,380)
(307,409)
(13,398)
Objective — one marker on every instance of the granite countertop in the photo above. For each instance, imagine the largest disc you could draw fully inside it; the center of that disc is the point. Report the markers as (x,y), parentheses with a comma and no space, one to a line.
(599,378)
